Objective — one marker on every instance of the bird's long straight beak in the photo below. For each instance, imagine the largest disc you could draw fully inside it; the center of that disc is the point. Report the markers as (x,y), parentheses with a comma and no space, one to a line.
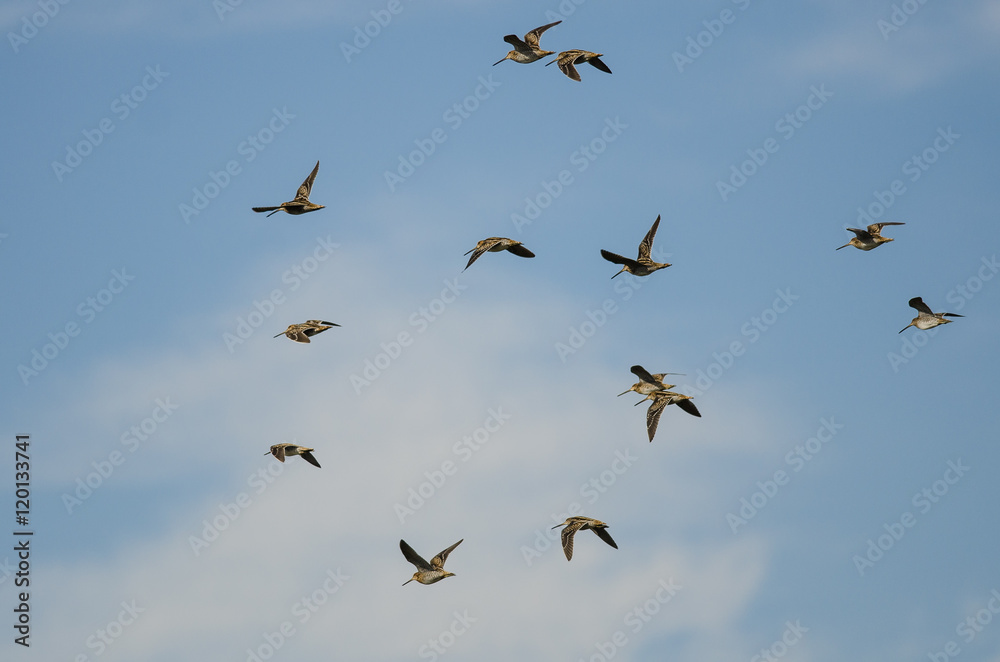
(905,328)
(844,246)
(407,581)
(280,334)
(498,62)
(620,272)
(621,394)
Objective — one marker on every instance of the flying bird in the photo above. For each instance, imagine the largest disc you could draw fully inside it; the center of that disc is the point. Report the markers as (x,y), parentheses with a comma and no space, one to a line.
(280,451)
(578,523)
(495,245)
(648,383)
(303,332)
(660,400)
(567,59)
(926,318)
(427,573)
(527,51)
(301,204)
(870,238)
(642,265)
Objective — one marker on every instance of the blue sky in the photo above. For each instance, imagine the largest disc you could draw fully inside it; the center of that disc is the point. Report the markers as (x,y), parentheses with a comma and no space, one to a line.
(836,500)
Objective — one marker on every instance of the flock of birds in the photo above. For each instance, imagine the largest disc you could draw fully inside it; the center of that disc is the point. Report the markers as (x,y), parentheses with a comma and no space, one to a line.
(528,51)
(650,385)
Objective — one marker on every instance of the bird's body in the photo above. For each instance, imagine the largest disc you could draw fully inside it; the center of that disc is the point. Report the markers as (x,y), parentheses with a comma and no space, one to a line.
(527,51)
(869,238)
(281,451)
(427,573)
(660,401)
(926,318)
(648,382)
(579,523)
(304,331)
(567,61)
(495,245)
(643,265)
(301,204)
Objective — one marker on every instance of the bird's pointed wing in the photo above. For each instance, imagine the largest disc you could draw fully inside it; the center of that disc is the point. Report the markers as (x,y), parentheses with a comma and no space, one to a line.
(603,534)
(308,457)
(520,250)
(567,538)
(298,335)
(516,42)
(596,61)
(566,66)
(918,304)
(689,407)
(653,415)
(532,37)
(647,242)
(618,259)
(876,228)
(322,322)
(952,315)
(278,451)
(482,247)
(644,375)
(413,557)
(306,188)
(262,209)
(438,561)
(863,235)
